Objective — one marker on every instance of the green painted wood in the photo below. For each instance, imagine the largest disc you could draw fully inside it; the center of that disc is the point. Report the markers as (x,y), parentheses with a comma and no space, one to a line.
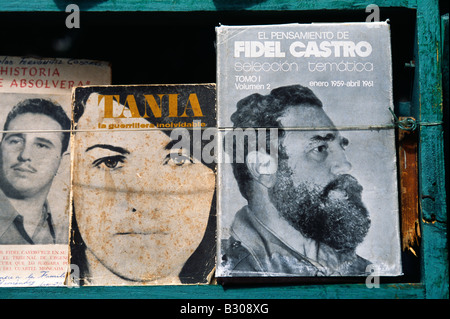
(427,101)
(355,291)
(431,153)
(197,5)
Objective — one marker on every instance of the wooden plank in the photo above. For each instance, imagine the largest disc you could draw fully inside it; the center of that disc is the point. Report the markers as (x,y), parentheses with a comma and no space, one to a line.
(409,189)
(431,153)
(198,5)
(350,291)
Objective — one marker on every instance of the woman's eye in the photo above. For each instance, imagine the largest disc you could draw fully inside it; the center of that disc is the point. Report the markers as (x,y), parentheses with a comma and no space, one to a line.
(177,158)
(109,162)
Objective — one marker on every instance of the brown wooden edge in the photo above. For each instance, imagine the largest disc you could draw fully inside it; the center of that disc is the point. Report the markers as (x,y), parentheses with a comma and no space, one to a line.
(409,188)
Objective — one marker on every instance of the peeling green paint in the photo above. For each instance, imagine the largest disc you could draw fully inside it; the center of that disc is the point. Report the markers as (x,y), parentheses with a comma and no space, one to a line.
(200,5)
(427,107)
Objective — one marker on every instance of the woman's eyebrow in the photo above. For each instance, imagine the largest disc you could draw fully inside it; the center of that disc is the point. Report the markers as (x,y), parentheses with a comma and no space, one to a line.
(117,149)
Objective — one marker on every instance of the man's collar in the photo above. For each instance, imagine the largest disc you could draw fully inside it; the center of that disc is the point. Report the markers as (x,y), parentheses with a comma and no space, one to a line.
(7,213)
(255,230)
(256,234)
(280,228)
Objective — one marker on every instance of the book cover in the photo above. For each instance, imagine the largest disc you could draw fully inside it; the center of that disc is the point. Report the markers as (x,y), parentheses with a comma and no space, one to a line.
(307,180)
(144,208)
(35,112)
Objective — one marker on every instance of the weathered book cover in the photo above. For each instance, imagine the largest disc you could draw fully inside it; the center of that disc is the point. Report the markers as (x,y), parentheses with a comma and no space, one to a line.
(307,181)
(143,184)
(35,108)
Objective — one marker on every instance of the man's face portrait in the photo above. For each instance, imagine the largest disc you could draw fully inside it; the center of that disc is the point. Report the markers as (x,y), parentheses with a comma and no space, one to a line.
(30,160)
(313,190)
(310,186)
(315,157)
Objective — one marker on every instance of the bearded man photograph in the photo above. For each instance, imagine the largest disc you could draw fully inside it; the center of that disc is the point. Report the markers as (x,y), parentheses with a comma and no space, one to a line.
(306,217)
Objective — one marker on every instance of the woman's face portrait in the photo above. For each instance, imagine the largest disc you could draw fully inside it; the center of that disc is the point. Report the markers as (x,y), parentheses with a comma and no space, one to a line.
(140,211)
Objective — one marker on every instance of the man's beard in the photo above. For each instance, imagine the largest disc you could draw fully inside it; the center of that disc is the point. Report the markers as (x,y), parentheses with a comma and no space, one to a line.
(334,215)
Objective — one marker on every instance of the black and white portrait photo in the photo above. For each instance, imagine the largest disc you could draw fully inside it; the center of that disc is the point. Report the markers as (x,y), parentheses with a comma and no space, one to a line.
(317,196)
(307,216)
(35,170)
(35,165)
(143,208)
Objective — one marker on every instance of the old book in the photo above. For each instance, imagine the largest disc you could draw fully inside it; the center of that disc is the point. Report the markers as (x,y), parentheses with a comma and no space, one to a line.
(143,184)
(35,111)
(307,180)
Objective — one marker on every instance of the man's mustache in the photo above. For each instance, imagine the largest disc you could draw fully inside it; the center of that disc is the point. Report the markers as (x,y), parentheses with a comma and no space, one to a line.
(24,168)
(344,183)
